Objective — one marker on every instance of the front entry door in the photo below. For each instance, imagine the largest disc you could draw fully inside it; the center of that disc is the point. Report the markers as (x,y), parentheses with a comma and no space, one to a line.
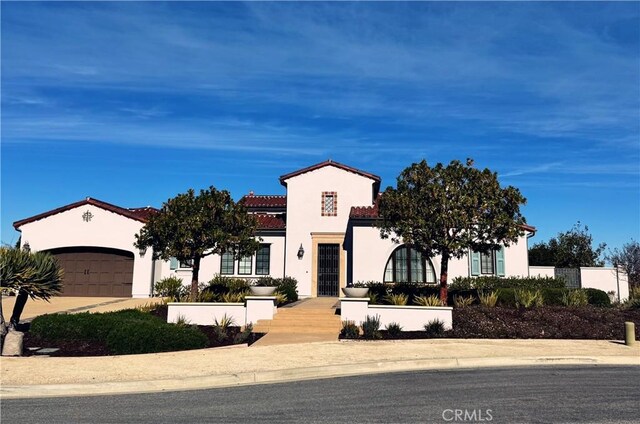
(328,269)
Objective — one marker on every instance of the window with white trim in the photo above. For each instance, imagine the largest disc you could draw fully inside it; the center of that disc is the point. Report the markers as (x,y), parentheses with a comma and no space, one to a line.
(407,265)
(244,265)
(227,264)
(263,259)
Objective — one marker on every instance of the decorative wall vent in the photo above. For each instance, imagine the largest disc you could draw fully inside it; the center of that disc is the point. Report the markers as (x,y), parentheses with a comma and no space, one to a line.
(86,217)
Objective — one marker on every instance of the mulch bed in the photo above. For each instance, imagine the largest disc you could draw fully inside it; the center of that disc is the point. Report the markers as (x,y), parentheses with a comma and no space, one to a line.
(547,322)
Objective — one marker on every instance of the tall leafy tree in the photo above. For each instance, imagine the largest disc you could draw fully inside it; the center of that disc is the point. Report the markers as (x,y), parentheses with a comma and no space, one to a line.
(447,210)
(191,226)
(628,257)
(35,275)
(569,249)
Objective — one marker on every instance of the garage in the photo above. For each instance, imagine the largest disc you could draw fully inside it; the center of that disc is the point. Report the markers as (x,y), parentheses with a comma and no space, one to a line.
(95,271)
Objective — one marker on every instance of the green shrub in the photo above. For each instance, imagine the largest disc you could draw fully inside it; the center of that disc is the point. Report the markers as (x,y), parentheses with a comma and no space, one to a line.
(265,281)
(462,301)
(170,287)
(221,285)
(371,327)
(399,299)
(349,330)
(434,328)
(432,300)
(528,298)
(493,283)
(377,289)
(597,297)
(575,298)
(287,286)
(394,329)
(84,326)
(554,297)
(126,331)
(488,299)
(132,337)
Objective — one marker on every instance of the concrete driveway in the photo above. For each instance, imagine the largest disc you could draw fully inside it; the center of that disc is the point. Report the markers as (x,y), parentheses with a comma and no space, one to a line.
(33,308)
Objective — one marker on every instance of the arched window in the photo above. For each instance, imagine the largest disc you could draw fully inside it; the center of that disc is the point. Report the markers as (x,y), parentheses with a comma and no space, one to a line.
(406,265)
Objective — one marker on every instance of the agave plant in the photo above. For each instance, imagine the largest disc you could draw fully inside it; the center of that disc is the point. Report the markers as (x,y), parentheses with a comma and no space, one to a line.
(432,300)
(397,299)
(36,275)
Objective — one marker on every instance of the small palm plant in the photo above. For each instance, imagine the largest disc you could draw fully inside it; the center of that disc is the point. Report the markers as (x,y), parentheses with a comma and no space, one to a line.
(34,275)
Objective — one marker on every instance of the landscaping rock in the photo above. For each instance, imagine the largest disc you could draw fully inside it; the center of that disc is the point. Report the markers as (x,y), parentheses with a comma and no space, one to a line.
(13,343)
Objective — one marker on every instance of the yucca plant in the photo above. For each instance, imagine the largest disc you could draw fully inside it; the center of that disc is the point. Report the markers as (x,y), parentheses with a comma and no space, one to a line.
(221,328)
(397,299)
(371,327)
(434,328)
(432,300)
(36,275)
(349,330)
(488,299)
(528,298)
(182,321)
(281,298)
(373,298)
(394,329)
(463,301)
(234,297)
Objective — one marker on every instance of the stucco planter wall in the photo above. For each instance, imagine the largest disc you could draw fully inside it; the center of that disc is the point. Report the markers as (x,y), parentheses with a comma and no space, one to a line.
(411,318)
(205,313)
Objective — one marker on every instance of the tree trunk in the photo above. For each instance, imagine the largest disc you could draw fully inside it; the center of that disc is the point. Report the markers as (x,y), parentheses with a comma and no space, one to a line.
(3,326)
(444,270)
(194,278)
(18,307)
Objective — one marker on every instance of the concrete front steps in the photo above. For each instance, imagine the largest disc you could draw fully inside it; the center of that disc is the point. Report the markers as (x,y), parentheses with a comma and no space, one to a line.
(311,321)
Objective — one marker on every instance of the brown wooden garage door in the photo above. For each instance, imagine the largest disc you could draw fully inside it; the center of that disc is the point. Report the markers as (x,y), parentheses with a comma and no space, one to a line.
(92,271)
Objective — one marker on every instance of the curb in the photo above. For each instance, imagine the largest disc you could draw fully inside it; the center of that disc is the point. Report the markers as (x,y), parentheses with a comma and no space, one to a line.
(300,374)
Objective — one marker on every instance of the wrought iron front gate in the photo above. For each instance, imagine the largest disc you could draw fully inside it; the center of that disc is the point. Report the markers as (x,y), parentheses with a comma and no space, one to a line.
(328,269)
(571,277)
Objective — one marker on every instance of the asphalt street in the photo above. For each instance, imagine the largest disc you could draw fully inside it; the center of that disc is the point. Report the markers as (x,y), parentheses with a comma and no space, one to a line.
(504,395)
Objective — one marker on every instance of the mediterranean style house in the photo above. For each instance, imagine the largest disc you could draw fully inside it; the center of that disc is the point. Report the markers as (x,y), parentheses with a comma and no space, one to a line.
(320,232)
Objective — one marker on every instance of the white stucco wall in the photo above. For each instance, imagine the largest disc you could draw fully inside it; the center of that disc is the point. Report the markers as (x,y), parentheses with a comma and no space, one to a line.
(371,253)
(210,265)
(605,279)
(542,271)
(304,198)
(106,229)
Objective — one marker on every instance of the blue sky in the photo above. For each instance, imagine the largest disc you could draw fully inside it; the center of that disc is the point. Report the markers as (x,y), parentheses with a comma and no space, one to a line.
(132,103)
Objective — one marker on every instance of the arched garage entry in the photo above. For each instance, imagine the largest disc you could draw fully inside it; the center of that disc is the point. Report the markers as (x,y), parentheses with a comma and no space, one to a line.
(95,271)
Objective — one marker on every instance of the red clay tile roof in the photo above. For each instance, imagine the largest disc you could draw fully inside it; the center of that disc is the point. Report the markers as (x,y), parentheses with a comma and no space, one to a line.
(270,222)
(328,163)
(371,212)
(264,201)
(139,214)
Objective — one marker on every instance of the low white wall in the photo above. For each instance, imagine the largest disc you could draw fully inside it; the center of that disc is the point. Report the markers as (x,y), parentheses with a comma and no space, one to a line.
(605,279)
(542,271)
(206,313)
(411,318)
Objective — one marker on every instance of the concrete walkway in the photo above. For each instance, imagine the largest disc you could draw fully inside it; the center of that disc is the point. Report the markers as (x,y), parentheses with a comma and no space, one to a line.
(208,368)
(71,304)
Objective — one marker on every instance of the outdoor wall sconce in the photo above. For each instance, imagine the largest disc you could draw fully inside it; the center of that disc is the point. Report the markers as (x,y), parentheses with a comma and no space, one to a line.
(300,252)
